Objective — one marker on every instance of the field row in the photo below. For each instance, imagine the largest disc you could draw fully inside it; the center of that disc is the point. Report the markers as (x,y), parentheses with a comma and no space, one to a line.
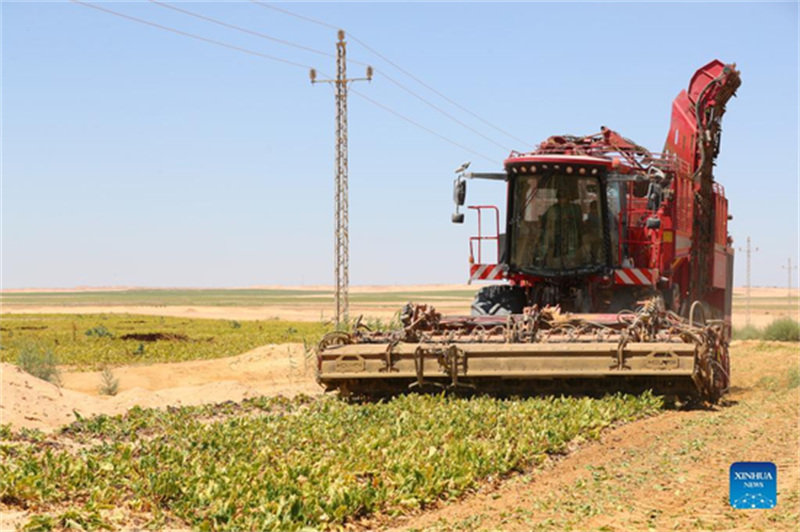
(278,464)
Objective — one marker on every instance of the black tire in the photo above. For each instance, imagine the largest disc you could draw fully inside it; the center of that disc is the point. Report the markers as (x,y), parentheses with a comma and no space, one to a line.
(499,300)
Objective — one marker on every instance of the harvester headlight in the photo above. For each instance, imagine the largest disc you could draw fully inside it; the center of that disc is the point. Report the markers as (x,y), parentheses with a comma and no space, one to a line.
(533,169)
(569,169)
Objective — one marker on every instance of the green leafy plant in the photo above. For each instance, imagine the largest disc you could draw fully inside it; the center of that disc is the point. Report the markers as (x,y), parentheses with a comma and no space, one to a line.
(100,332)
(293,464)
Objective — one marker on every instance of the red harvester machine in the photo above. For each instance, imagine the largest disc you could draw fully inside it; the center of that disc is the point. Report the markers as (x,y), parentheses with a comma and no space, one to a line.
(616,269)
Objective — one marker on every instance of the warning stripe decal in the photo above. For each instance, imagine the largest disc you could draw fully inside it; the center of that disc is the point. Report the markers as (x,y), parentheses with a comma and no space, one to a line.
(636,276)
(485,271)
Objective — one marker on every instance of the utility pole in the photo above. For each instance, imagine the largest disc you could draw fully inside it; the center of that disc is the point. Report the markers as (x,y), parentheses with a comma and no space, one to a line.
(789,269)
(747,286)
(341,215)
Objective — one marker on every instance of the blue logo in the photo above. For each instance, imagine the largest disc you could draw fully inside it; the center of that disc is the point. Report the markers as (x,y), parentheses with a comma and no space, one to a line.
(753,485)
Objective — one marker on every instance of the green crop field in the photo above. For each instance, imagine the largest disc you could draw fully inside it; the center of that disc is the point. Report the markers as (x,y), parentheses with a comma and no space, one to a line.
(279,464)
(93,341)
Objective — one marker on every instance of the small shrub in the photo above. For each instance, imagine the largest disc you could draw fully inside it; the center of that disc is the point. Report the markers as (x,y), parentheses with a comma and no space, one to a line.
(793,379)
(100,332)
(42,364)
(235,324)
(109,385)
(748,332)
(783,330)
(139,350)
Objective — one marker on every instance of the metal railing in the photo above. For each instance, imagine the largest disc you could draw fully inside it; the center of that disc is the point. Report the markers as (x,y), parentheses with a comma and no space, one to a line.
(480,238)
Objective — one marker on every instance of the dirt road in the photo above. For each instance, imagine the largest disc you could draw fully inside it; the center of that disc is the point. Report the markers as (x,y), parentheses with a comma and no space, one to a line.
(669,472)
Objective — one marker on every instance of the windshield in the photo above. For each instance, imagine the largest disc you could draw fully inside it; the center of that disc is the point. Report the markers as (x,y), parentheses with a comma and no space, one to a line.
(556,224)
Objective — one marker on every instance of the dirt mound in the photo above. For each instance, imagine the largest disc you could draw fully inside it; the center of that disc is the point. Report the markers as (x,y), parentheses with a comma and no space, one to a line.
(26,401)
(30,402)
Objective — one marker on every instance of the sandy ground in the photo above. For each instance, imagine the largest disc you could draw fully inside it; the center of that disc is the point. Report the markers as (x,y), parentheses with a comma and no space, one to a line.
(367,289)
(768,303)
(309,312)
(268,370)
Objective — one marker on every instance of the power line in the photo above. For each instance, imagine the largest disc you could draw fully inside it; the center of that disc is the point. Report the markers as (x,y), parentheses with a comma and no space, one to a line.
(439,93)
(285,61)
(239,28)
(440,110)
(296,15)
(432,132)
(191,35)
(395,65)
(320,52)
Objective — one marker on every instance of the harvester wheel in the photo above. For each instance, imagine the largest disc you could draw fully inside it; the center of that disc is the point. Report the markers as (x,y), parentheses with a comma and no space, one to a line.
(499,300)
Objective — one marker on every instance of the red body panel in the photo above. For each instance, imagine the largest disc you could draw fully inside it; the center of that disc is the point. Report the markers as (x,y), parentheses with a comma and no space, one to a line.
(659,255)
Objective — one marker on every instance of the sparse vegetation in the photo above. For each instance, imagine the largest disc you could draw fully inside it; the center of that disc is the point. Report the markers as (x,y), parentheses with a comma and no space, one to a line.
(109,384)
(780,330)
(280,464)
(748,332)
(112,340)
(39,362)
(783,330)
(100,332)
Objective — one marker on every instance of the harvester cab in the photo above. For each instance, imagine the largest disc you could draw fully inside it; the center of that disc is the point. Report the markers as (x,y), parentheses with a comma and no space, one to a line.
(612,270)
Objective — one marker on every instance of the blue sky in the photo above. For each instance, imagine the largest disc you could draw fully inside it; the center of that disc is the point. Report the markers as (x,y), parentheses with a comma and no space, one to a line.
(134,156)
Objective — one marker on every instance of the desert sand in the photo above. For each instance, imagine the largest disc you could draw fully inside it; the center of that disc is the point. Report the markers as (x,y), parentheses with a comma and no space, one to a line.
(269,370)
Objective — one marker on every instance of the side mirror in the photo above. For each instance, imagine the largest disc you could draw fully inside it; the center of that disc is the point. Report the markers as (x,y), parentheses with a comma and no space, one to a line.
(459,197)
(459,192)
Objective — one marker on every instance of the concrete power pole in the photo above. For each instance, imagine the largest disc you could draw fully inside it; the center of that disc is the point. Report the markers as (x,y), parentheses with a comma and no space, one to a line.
(341,214)
(747,286)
